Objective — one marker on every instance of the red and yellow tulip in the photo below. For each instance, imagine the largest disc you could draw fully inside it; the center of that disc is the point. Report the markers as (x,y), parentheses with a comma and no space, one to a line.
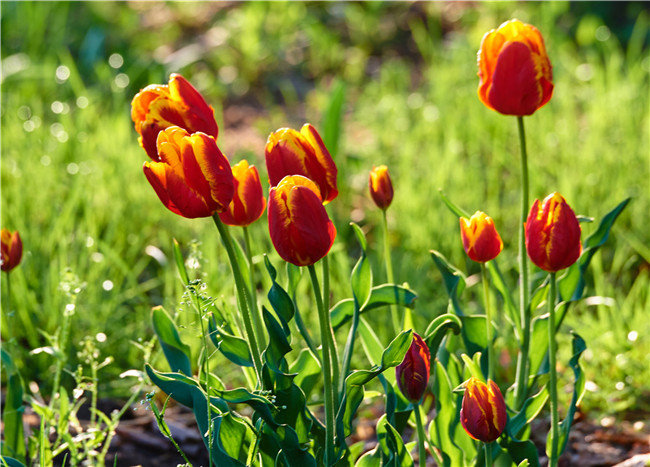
(291,152)
(483,413)
(481,240)
(12,249)
(553,234)
(381,186)
(248,202)
(159,106)
(301,231)
(515,72)
(192,178)
(413,373)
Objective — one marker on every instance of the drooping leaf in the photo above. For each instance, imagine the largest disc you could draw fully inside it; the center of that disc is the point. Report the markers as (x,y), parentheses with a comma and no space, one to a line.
(380,296)
(438,328)
(234,348)
(176,352)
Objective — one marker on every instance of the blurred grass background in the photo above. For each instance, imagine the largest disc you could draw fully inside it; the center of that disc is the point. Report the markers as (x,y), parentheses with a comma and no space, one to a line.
(71,167)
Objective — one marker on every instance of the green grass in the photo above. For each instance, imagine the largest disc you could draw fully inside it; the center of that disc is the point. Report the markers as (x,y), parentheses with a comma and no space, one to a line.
(80,200)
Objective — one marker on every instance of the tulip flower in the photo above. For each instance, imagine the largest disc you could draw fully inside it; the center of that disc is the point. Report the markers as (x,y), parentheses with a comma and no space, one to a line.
(12,249)
(301,231)
(480,237)
(413,373)
(159,106)
(515,73)
(552,234)
(193,178)
(248,202)
(483,412)
(381,187)
(289,152)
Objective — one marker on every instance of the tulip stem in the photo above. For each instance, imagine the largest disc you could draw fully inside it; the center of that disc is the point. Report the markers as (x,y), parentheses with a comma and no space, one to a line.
(488,454)
(422,451)
(408,318)
(521,384)
(257,317)
(325,329)
(242,296)
(488,323)
(552,349)
(332,339)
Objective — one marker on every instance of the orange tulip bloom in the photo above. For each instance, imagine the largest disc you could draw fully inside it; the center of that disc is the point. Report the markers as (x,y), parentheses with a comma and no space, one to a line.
(553,234)
(515,72)
(480,237)
(301,231)
(289,152)
(381,187)
(248,203)
(483,412)
(193,178)
(12,249)
(159,106)
(413,373)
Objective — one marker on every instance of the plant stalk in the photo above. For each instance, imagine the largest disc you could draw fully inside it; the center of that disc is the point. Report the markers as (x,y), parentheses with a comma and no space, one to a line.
(325,329)
(488,454)
(330,335)
(257,317)
(242,296)
(521,381)
(552,349)
(422,451)
(488,323)
(408,318)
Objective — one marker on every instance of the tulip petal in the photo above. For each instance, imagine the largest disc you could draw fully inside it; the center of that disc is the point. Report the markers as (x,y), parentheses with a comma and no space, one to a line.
(214,169)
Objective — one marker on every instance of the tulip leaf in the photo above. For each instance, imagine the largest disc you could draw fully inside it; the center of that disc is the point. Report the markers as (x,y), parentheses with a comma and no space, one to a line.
(279,298)
(234,348)
(438,329)
(394,453)
(13,445)
(176,352)
(458,211)
(571,285)
(308,372)
(529,411)
(392,356)
(332,118)
(511,308)
(380,296)
(180,263)
(578,346)
(453,280)
(361,278)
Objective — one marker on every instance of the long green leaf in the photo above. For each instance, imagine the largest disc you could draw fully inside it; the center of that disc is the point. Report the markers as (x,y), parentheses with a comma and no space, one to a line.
(394,452)
(176,352)
(332,118)
(12,415)
(232,347)
(380,296)
(180,263)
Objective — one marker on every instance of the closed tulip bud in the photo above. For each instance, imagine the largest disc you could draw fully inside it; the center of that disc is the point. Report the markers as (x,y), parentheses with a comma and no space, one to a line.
(553,234)
(193,178)
(483,413)
(480,237)
(413,373)
(289,152)
(381,187)
(12,249)
(248,202)
(301,231)
(159,106)
(515,73)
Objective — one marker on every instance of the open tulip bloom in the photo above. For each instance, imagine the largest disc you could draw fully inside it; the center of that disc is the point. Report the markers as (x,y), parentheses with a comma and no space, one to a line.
(248,202)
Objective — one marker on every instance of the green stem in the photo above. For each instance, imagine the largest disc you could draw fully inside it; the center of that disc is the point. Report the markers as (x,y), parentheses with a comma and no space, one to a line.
(422,451)
(488,457)
(349,348)
(206,369)
(257,317)
(408,318)
(488,323)
(242,296)
(521,383)
(325,329)
(552,349)
(330,335)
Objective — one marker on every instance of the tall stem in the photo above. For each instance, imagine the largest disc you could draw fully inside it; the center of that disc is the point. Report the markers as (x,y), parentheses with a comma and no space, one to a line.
(488,323)
(206,370)
(408,319)
(257,317)
(325,329)
(242,296)
(521,384)
(422,451)
(488,454)
(330,335)
(552,349)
